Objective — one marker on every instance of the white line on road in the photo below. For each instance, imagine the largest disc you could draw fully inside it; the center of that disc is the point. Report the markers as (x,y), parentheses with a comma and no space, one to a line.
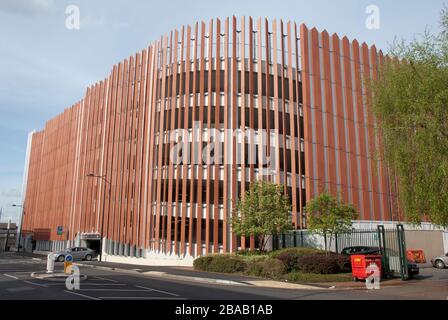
(19,289)
(122,290)
(36,284)
(9,276)
(82,295)
(91,284)
(143,298)
(105,279)
(160,291)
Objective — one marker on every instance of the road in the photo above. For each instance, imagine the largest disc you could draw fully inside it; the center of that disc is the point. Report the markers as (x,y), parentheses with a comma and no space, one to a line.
(16,283)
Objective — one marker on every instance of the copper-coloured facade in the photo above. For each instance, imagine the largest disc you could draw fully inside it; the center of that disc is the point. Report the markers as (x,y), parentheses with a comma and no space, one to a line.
(243,100)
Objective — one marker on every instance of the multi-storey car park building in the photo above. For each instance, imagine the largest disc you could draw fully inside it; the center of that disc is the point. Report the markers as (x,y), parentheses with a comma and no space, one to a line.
(177,132)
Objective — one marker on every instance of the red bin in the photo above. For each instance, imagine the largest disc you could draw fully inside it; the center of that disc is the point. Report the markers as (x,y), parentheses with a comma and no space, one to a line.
(360,263)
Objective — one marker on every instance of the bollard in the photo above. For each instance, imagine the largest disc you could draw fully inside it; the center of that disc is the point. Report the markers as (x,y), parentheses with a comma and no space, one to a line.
(50,263)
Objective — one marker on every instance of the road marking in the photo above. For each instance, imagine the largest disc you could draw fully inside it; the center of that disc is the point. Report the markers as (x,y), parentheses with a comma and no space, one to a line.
(36,284)
(19,289)
(82,295)
(160,291)
(9,276)
(143,298)
(105,279)
(121,290)
(90,284)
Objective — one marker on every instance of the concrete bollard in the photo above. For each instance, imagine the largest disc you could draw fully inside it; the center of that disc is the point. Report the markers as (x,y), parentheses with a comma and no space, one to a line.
(50,263)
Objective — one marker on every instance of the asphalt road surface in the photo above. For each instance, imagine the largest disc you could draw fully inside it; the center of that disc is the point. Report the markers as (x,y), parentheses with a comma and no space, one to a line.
(16,283)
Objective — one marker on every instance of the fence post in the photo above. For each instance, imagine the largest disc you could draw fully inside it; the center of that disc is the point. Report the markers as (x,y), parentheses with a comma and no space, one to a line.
(7,237)
(336,242)
(382,244)
(301,237)
(295,238)
(402,251)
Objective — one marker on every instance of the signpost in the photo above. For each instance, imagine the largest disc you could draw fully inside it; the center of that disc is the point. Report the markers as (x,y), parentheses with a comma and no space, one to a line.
(68,264)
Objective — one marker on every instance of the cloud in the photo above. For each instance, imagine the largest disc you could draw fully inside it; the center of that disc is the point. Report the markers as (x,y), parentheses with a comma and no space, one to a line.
(26,7)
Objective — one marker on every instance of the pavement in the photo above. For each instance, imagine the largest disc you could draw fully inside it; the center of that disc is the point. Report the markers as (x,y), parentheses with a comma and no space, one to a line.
(121,282)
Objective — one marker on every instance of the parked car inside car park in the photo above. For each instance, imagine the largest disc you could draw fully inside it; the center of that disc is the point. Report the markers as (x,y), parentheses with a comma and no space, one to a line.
(78,253)
(360,250)
(413,268)
(440,262)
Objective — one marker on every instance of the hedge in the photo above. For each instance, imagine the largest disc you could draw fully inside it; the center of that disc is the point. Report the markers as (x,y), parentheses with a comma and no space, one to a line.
(290,256)
(269,268)
(220,263)
(324,263)
(276,264)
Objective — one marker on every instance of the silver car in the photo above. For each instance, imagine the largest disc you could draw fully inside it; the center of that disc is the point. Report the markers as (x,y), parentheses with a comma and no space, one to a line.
(78,253)
(440,262)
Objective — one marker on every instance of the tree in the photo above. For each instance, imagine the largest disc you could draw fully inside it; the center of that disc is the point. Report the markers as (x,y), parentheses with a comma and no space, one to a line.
(264,210)
(410,102)
(328,216)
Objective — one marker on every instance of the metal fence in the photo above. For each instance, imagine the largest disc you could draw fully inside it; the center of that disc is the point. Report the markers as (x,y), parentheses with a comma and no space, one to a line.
(391,242)
(7,239)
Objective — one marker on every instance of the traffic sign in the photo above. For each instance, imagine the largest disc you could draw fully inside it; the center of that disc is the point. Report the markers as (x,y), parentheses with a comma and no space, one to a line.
(68,264)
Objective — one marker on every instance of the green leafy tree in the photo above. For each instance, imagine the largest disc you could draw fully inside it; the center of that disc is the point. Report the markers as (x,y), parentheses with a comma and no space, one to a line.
(327,216)
(263,211)
(410,102)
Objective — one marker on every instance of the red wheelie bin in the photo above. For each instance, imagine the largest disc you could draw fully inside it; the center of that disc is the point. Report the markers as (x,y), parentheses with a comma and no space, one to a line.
(360,263)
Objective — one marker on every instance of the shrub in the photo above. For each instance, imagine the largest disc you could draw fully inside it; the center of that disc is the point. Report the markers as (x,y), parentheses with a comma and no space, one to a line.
(298,251)
(255,268)
(269,267)
(250,253)
(220,263)
(250,259)
(202,263)
(324,264)
(290,256)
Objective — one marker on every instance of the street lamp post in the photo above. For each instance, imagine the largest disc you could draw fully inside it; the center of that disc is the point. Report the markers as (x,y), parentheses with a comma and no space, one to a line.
(21,223)
(93,175)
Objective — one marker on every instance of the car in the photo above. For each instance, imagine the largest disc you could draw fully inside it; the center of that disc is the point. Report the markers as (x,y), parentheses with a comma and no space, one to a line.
(440,262)
(360,250)
(413,268)
(78,253)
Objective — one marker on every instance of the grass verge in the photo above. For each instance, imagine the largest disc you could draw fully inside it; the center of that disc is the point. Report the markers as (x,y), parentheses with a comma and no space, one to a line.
(297,276)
